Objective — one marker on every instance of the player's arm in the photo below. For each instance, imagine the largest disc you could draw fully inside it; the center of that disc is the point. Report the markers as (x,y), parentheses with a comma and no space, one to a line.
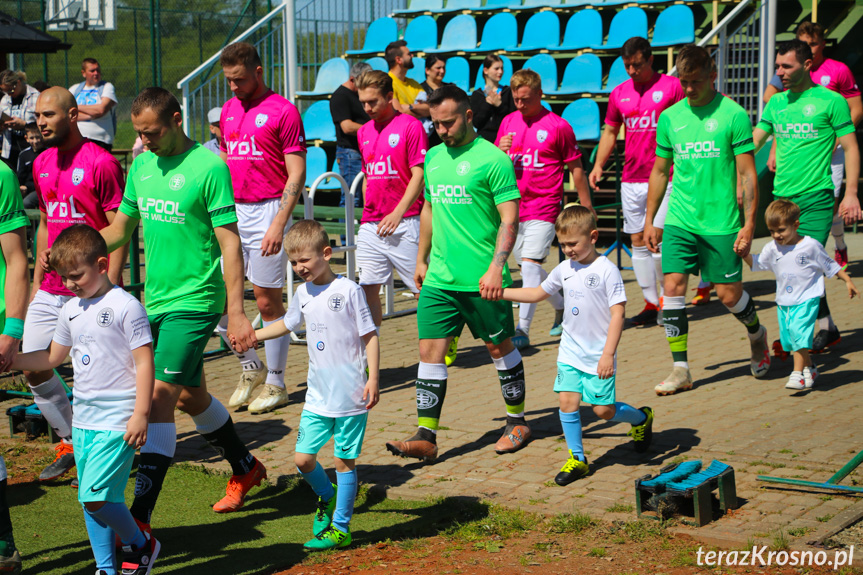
(605,367)
(525,295)
(97,110)
(41,247)
(238,324)
(15,291)
(850,206)
(145,373)
(44,360)
(275,330)
(424,245)
(491,283)
(349,127)
(603,152)
(371,392)
(388,225)
(576,172)
(749,184)
(296,166)
(119,231)
(119,256)
(656,188)
(759,138)
(855,104)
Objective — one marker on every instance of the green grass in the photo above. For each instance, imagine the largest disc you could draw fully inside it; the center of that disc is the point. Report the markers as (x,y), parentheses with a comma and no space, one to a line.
(268,533)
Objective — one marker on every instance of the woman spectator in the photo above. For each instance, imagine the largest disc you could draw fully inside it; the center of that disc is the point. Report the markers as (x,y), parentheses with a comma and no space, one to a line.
(435,71)
(492,102)
(19,104)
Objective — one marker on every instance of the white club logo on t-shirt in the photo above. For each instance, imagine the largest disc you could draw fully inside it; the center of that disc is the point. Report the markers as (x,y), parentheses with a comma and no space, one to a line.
(260,120)
(809,110)
(711,125)
(177,182)
(77,176)
(463,168)
(591,281)
(657,96)
(394,140)
(825,80)
(541,135)
(105,317)
(336,302)
(802,260)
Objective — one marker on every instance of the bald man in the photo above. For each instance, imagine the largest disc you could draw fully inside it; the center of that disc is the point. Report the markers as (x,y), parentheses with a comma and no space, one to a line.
(77,182)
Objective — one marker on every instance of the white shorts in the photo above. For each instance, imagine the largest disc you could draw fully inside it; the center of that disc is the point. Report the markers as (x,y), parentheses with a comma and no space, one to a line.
(41,321)
(377,256)
(837,170)
(253,220)
(633,196)
(533,241)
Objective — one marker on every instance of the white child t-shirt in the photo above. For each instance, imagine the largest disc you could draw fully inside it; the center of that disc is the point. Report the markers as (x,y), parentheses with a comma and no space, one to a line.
(799,269)
(102,333)
(337,316)
(589,291)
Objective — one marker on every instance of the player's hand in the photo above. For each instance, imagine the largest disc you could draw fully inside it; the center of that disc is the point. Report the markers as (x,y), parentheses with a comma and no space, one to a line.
(743,243)
(594,177)
(388,225)
(771,161)
(371,393)
(43,258)
(272,242)
(8,352)
(852,290)
(420,274)
(849,209)
(136,430)
(605,367)
(506,142)
(491,284)
(241,333)
(652,237)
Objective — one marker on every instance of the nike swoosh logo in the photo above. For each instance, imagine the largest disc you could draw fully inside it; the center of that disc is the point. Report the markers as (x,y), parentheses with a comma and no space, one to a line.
(94,490)
(304,305)
(496,334)
(734,274)
(570,277)
(172,372)
(146,177)
(346,449)
(680,128)
(73,317)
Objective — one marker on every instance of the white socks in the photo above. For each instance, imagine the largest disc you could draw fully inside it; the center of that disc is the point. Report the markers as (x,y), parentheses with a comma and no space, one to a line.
(161,439)
(645,273)
(276,352)
(52,401)
(249,359)
(657,266)
(212,418)
(532,275)
(837,230)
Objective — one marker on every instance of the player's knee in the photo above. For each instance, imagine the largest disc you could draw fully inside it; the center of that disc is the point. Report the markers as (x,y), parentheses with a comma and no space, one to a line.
(37,377)
(344,465)
(637,239)
(270,308)
(94,506)
(604,411)
(305,462)
(498,350)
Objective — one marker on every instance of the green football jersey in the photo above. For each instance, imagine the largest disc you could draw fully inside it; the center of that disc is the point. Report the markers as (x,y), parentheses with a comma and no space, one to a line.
(12,217)
(805,125)
(464,186)
(180,200)
(703,142)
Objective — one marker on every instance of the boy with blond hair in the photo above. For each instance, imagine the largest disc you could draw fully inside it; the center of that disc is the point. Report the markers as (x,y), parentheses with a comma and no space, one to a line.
(800,264)
(107,334)
(340,335)
(595,301)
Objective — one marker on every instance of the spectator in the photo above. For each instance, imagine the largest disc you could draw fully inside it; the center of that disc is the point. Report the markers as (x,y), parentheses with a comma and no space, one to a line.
(349,116)
(25,166)
(213,144)
(435,71)
(410,96)
(97,117)
(491,102)
(19,103)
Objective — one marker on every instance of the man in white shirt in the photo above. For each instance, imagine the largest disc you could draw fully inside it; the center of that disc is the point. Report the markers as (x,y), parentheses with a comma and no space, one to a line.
(97,118)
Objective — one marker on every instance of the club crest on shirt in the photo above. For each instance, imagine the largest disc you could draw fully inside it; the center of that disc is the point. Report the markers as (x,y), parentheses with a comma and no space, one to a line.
(463,168)
(825,80)
(657,96)
(260,120)
(393,140)
(711,125)
(802,260)
(105,317)
(77,176)
(809,110)
(336,302)
(541,135)
(177,182)
(591,281)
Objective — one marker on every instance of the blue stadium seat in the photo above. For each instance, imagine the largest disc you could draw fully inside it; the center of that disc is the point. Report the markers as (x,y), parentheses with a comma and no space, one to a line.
(674,26)
(504,80)
(627,23)
(616,76)
(316,164)
(458,36)
(582,74)
(421,33)
(541,28)
(583,116)
(583,30)
(318,122)
(458,72)
(378,63)
(333,72)
(500,4)
(459,5)
(418,72)
(545,66)
(380,33)
(546,105)
(500,32)
(420,7)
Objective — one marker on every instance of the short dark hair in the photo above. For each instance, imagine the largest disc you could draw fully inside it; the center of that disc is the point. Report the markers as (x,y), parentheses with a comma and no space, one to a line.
(813,29)
(450,92)
(79,243)
(800,48)
(86,61)
(635,45)
(432,59)
(692,59)
(32,127)
(161,101)
(240,53)
(393,51)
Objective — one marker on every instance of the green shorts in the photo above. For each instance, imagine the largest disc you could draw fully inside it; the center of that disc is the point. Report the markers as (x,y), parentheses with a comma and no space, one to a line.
(104,462)
(315,430)
(179,339)
(684,252)
(443,313)
(593,390)
(797,324)
(816,213)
